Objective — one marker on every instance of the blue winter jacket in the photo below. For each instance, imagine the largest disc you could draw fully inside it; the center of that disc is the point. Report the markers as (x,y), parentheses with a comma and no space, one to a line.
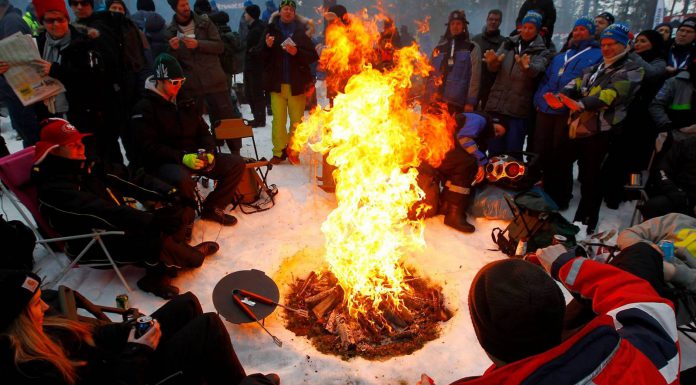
(461,84)
(554,83)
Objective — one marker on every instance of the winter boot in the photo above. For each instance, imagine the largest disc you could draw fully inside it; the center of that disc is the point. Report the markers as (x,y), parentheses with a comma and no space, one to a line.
(156,282)
(455,217)
(457,199)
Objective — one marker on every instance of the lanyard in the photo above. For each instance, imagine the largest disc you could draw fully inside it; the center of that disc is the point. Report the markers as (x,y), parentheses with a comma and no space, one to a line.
(594,76)
(566,60)
(681,65)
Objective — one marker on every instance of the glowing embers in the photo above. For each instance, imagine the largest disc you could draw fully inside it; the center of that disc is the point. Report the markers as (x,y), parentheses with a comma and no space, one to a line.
(377,333)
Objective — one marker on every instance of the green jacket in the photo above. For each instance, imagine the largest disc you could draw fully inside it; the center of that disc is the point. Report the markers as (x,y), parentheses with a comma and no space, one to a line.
(32,23)
(605,94)
(674,99)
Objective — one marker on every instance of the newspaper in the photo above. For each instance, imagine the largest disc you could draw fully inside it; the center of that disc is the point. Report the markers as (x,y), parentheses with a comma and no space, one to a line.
(30,87)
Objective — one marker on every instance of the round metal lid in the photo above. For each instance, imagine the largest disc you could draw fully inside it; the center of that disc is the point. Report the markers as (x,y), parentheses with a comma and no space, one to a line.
(255,281)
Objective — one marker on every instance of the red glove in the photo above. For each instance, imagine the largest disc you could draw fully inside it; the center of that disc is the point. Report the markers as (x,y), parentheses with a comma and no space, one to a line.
(553,101)
(570,103)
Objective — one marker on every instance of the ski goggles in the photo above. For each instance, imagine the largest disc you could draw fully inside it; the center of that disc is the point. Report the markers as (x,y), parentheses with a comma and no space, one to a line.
(505,166)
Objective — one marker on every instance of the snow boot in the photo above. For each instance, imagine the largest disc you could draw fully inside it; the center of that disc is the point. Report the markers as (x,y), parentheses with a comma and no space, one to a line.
(455,217)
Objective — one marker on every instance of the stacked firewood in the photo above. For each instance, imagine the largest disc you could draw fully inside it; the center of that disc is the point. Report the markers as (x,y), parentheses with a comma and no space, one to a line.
(421,308)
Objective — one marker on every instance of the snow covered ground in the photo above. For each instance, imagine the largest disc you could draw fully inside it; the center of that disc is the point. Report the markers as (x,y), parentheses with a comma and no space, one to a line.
(268,240)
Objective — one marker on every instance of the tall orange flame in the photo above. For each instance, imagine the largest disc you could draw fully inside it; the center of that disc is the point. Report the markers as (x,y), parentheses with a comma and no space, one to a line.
(376,140)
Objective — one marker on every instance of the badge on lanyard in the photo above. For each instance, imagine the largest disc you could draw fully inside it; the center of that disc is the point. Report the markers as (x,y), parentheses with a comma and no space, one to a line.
(561,71)
(450,62)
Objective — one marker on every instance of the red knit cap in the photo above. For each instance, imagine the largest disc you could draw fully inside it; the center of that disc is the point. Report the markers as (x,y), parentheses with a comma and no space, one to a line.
(43,6)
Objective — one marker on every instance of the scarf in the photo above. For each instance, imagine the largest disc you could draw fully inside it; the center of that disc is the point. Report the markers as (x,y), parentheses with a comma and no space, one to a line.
(608,62)
(51,53)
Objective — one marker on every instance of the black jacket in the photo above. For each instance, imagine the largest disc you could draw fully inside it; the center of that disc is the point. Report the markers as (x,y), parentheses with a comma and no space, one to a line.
(165,131)
(255,37)
(82,71)
(300,74)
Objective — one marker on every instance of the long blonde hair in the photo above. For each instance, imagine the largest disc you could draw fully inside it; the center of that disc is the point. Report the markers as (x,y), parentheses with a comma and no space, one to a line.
(31,343)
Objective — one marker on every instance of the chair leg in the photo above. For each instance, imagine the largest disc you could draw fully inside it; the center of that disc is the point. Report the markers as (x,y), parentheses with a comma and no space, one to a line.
(113,263)
(72,264)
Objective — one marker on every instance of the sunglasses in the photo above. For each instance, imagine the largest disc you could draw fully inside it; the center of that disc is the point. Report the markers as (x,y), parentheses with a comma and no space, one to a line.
(176,82)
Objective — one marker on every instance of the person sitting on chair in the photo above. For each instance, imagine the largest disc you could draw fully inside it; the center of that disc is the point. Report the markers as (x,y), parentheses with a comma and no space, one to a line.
(77,196)
(170,134)
(182,346)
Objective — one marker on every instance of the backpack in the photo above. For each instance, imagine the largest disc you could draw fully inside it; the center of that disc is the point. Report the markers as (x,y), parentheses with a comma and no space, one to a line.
(18,242)
(535,218)
(232,58)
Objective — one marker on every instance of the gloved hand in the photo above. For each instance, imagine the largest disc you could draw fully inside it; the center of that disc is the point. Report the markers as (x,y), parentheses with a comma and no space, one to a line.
(210,158)
(168,218)
(191,161)
(570,103)
(480,174)
(548,255)
(553,101)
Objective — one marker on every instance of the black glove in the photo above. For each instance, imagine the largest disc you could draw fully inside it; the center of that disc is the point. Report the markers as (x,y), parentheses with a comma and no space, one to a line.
(168,218)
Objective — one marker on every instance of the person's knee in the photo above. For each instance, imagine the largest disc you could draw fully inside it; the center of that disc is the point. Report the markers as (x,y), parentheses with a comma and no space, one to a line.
(191,302)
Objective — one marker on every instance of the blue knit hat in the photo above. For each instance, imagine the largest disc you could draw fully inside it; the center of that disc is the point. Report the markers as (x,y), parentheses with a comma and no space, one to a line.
(587,23)
(618,32)
(533,17)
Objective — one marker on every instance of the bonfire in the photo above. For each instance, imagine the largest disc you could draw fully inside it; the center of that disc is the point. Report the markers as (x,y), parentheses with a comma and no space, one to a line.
(376,136)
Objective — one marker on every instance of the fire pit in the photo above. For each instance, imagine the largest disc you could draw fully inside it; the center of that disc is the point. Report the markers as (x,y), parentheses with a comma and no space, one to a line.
(380,333)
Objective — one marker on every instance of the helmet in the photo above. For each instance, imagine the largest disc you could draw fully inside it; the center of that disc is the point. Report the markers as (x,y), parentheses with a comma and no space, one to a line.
(505,168)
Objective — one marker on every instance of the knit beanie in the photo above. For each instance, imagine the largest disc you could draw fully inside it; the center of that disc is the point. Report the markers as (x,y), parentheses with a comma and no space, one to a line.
(122,2)
(458,14)
(690,22)
(254,11)
(517,309)
(17,287)
(335,12)
(533,17)
(43,6)
(618,32)
(145,5)
(587,23)
(607,16)
(167,67)
(286,3)
(668,25)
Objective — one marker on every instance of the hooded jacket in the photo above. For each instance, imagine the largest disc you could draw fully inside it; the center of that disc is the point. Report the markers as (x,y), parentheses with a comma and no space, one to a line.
(154,27)
(673,106)
(633,340)
(461,81)
(165,131)
(204,74)
(513,90)
(300,74)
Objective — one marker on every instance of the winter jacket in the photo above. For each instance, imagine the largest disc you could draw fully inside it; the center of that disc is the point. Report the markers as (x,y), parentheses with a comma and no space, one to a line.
(112,361)
(633,340)
(165,131)
(679,56)
(154,27)
(459,83)
(82,71)
(675,174)
(606,94)
(12,22)
(301,78)
(78,196)
(588,54)
(673,106)
(514,87)
(485,42)
(201,65)
(252,61)
(474,134)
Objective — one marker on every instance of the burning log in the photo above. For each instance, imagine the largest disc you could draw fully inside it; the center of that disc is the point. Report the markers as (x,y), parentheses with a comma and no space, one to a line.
(320,296)
(331,321)
(328,303)
(392,315)
(345,332)
(307,283)
(409,332)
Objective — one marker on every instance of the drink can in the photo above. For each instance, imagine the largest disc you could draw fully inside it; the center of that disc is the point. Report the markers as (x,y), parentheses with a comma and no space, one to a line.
(521,248)
(559,239)
(667,248)
(636,179)
(122,301)
(142,325)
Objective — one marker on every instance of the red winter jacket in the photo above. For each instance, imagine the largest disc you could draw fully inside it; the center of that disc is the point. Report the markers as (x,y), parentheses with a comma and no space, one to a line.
(632,341)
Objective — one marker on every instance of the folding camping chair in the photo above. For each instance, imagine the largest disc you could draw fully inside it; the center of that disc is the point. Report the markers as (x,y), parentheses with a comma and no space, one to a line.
(68,303)
(525,224)
(255,181)
(15,174)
